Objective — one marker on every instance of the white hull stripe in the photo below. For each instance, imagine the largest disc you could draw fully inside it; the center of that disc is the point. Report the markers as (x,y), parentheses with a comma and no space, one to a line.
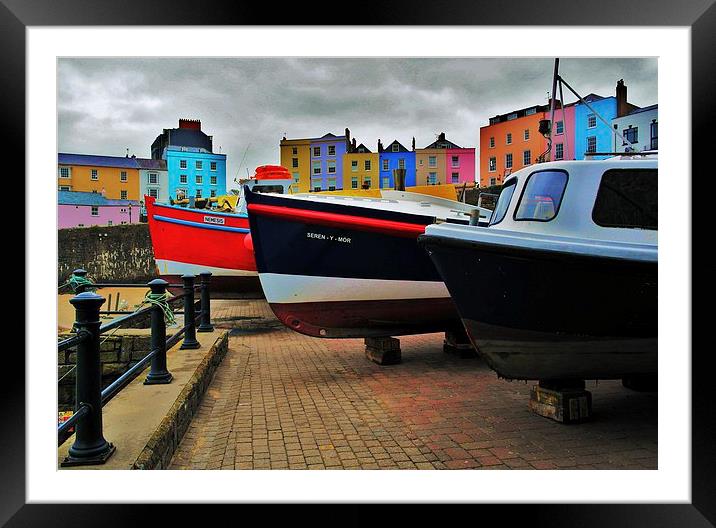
(171,267)
(280,288)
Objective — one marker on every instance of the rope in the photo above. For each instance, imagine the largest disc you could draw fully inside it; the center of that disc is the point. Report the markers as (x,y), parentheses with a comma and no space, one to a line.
(75,281)
(161,300)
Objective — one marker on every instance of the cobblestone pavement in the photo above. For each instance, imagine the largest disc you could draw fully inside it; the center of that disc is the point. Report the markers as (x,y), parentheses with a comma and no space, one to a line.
(281,400)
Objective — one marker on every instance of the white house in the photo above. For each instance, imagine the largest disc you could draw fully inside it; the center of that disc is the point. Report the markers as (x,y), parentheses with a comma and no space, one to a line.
(640,127)
(153,180)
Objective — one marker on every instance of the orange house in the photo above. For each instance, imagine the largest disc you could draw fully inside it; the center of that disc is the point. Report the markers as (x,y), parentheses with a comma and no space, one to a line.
(510,142)
(115,177)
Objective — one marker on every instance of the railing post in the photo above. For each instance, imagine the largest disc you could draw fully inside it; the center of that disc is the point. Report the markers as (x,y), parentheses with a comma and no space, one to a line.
(189,315)
(90,446)
(205,325)
(158,373)
(79,272)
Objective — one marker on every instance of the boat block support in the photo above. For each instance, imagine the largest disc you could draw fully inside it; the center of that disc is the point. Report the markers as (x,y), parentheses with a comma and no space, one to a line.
(456,342)
(563,402)
(383,350)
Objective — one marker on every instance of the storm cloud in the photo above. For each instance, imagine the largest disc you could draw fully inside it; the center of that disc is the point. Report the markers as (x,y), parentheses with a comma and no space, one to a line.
(109,105)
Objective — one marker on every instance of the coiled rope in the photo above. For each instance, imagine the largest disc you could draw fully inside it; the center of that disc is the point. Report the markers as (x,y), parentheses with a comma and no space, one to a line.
(76,281)
(161,300)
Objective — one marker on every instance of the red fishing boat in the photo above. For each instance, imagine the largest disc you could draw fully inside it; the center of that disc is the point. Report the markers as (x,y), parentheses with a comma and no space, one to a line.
(192,239)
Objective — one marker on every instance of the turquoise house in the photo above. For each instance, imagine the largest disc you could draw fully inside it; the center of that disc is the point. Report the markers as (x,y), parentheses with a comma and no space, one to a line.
(195,172)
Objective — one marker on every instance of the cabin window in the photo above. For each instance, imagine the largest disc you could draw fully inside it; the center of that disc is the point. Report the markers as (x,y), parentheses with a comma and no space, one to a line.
(542,196)
(627,198)
(278,189)
(503,202)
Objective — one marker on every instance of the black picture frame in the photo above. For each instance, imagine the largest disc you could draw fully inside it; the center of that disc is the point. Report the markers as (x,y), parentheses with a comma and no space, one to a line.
(699,15)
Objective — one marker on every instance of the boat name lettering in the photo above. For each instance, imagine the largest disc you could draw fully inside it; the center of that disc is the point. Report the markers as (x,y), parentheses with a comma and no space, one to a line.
(213,220)
(330,238)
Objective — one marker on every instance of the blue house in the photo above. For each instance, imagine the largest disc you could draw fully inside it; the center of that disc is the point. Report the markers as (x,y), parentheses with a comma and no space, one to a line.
(396,156)
(591,134)
(193,171)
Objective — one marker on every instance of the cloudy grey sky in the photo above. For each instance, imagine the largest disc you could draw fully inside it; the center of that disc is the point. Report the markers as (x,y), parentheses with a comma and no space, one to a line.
(106,105)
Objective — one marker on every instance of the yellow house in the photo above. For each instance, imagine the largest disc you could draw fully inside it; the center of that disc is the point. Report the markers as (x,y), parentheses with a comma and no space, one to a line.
(430,166)
(360,169)
(296,157)
(115,177)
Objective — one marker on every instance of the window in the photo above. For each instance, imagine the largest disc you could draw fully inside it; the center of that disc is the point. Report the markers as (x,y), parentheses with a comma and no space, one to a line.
(80,225)
(401,163)
(212,166)
(122,195)
(386,164)
(64,172)
(527,134)
(331,184)
(109,222)
(591,120)
(508,139)
(559,127)
(294,151)
(198,164)
(331,167)
(531,111)
(512,116)
(296,177)
(154,193)
(95,211)
(65,188)
(542,196)
(182,164)
(94,174)
(503,202)
(213,193)
(354,182)
(354,165)
(432,178)
(198,193)
(654,136)
(316,167)
(316,152)
(627,198)
(493,165)
(367,165)
(592,144)
(455,177)
(526,157)
(331,150)
(492,142)
(199,179)
(631,135)
(386,183)
(316,184)
(508,161)
(153,178)
(455,161)
(396,147)
(367,182)
(559,151)
(183,178)
(123,176)
(181,194)
(432,161)
(213,180)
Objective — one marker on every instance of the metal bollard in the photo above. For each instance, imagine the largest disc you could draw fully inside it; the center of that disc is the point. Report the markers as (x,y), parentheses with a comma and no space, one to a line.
(79,272)
(158,373)
(90,446)
(205,325)
(189,315)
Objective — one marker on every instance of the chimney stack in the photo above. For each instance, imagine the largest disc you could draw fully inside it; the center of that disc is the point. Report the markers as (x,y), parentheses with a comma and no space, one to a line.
(622,105)
(348,140)
(191,124)
(441,137)
(380,146)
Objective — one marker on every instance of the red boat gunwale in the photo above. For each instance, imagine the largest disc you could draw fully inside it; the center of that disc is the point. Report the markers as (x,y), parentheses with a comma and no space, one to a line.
(360,223)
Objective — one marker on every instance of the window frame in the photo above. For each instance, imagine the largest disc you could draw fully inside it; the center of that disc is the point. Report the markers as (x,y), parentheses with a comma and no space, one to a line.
(94,210)
(512,183)
(522,194)
(62,175)
(123,193)
(94,174)
(331,147)
(589,117)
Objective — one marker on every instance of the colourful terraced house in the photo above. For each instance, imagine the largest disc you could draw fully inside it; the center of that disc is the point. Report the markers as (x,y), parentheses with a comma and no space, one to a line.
(327,162)
(360,167)
(444,162)
(85,209)
(296,157)
(113,176)
(396,156)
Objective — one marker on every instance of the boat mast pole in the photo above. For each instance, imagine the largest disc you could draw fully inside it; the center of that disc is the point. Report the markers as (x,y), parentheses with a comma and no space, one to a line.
(564,118)
(585,103)
(551,104)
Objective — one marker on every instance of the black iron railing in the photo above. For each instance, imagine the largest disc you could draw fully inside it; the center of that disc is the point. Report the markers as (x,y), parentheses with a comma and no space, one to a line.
(90,447)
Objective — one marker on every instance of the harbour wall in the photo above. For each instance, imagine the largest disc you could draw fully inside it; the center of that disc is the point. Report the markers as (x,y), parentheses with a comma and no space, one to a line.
(119,253)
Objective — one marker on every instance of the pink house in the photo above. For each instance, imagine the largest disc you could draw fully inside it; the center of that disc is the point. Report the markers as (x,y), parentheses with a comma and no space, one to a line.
(84,209)
(459,165)
(563,133)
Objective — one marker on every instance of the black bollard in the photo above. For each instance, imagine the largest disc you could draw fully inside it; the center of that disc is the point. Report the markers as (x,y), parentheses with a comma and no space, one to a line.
(189,315)
(158,373)
(205,325)
(90,446)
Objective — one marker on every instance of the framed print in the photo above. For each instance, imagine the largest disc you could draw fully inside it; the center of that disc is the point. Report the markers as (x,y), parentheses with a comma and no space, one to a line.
(403,99)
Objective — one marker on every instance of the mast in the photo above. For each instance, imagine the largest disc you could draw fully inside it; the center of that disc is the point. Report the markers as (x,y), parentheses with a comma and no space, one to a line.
(551,104)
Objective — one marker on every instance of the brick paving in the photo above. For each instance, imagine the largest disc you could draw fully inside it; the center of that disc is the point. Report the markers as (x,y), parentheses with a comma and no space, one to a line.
(281,400)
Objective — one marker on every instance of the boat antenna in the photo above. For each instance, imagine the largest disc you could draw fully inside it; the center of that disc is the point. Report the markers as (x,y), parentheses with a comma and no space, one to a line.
(246,150)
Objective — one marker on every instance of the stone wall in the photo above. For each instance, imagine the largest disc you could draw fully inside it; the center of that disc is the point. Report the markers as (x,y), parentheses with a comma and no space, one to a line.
(119,253)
